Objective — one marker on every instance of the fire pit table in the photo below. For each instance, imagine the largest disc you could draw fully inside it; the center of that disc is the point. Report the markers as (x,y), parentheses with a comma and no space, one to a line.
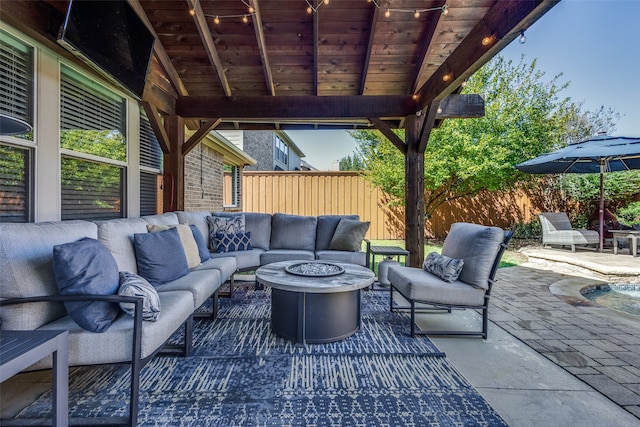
(315,301)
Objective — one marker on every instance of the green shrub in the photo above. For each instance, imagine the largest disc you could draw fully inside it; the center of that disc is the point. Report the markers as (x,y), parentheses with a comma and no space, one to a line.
(630,214)
(531,230)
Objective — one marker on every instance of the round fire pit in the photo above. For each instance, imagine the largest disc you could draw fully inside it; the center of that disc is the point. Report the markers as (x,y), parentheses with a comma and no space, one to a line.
(314,269)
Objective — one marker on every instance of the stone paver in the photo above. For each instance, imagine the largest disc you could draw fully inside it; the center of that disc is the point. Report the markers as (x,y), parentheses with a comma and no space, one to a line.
(583,340)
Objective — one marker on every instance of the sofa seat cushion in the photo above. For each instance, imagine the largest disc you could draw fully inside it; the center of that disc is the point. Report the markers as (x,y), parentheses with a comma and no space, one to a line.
(417,284)
(245,260)
(227,266)
(277,255)
(117,235)
(115,345)
(327,227)
(293,232)
(202,284)
(358,258)
(26,267)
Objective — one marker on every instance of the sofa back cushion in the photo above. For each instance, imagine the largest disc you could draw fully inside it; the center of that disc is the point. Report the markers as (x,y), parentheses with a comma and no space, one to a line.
(327,227)
(293,232)
(258,224)
(167,218)
(26,263)
(477,245)
(198,219)
(117,236)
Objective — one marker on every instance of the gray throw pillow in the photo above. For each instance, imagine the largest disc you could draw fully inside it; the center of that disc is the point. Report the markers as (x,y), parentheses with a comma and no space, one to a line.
(224,225)
(132,285)
(448,269)
(349,235)
(87,267)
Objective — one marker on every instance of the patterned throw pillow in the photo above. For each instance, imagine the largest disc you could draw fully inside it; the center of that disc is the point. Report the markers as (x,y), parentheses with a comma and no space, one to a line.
(132,285)
(224,225)
(448,269)
(232,242)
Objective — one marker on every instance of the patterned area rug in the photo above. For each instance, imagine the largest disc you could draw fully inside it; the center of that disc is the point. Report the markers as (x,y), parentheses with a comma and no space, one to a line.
(240,374)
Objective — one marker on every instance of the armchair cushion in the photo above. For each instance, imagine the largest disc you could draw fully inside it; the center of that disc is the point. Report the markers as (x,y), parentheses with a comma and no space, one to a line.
(87,267)
(448,269)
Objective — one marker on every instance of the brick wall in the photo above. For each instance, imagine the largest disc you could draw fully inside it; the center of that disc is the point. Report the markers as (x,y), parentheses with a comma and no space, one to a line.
(203,191)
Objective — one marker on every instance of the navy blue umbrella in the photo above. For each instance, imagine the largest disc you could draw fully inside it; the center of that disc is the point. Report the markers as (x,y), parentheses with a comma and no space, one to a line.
(599,154)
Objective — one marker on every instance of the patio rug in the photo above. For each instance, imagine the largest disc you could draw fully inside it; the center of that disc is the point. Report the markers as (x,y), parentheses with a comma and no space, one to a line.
(242,375)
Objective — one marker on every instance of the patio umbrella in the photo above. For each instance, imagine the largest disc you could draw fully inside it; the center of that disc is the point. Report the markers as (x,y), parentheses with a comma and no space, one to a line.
(599,154)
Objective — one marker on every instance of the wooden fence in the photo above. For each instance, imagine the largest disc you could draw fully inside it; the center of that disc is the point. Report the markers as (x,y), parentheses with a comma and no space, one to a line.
(326,193)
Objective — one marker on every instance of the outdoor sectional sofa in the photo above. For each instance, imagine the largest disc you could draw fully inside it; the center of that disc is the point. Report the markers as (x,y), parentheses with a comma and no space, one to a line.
(30,299)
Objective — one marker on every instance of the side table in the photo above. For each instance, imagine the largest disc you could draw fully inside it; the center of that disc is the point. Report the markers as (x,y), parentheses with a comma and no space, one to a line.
(396,251)
(632,235)
(21,349)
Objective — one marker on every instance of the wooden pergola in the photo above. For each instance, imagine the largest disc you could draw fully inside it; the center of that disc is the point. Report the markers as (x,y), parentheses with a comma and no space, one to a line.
(310,64)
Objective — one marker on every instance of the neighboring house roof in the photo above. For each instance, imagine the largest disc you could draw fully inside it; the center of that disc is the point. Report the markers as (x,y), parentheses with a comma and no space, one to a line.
(286,138)
(232,154)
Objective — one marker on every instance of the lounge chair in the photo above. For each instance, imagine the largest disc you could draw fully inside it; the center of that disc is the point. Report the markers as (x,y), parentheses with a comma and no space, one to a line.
(557,230)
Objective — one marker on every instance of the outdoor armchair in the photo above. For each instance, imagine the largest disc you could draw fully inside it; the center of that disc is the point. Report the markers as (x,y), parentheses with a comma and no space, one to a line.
(557,230)
(478,250)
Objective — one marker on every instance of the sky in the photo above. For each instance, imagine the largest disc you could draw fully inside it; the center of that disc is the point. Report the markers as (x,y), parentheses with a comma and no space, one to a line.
(595,44)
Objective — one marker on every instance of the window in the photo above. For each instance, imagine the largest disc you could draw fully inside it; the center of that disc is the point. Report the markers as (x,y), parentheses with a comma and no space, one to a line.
(150,167)
(16,151)
(231,185)
(282,151)
(94,150)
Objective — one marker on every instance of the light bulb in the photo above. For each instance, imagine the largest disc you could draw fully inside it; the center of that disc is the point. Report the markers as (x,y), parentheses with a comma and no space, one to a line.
(326,1)
(245,19)
(446,77)
(445,10)
(416,14)
(486,41)
(387,13)
(522,39)
(251,9)
(192,12)
(216,20)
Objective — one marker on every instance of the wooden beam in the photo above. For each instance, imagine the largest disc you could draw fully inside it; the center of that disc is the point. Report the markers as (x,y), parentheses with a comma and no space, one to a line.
(391,136)
(316,55)
(467,106)
(262,46)
(427,126)
(173,196)
(158,128)
(200,133)
(503,24)
(375,13)
(209,44)
(295,107)
(428,34)
(414,191)
(160,51)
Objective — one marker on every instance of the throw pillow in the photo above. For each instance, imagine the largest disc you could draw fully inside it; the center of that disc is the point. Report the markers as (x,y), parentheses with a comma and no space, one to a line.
(448,269)
(132,285)
(160,257)
(224,225)
(349,235)
(87,267)
(233,242)
(186,239)
(203,250)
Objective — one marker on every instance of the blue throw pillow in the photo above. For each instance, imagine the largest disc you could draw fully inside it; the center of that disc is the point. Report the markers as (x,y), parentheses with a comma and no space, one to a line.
(203,250)
(160,256)
(233,242)
(87,267)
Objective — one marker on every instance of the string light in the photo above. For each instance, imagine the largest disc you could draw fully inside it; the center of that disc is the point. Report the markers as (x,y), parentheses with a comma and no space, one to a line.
(416,12)
(522,39)
(218,18)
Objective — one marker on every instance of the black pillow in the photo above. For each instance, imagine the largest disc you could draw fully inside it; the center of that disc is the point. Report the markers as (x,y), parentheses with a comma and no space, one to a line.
(87,267)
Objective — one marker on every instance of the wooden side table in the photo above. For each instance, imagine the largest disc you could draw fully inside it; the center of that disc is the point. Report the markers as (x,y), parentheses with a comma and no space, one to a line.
(631,235)
(21,349)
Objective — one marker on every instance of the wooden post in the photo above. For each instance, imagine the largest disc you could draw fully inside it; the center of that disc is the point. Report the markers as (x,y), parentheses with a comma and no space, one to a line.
(414,191)
(173,195)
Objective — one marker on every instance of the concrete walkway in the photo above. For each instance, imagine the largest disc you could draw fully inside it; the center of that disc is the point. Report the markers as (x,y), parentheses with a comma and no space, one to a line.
(552,359)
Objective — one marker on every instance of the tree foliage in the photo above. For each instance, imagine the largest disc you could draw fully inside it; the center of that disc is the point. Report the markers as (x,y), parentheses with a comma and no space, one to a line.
(525,115)
(352,163)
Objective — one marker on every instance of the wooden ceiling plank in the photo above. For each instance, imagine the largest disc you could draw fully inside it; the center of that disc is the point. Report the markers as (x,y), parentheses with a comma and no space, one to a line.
(209,45)
(503,22)
(199,134)
(158,128)
(367,60)
(391,136)
(262,46)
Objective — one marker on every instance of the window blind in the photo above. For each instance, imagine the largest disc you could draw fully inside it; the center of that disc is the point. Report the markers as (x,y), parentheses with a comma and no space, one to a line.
(16,78)
(148,193)
(150,151)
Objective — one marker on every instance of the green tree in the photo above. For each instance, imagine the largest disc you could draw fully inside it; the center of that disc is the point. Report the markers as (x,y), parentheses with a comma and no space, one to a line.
(525,115)
(352,163)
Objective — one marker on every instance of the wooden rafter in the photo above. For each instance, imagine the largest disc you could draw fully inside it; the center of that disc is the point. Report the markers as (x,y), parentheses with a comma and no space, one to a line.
(198,135)
(209,45)
(391,136)
(262,46)
(158,127)
(430,29)
(375,13)
(427,126)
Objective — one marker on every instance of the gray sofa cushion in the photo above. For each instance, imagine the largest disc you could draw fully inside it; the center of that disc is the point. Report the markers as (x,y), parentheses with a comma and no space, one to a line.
(167,218)
(327,227)
(358,258)
(349,235)
(258,224)
(26,254)
(87,267)
(293,232)
(245,260)
(478,246)
(277,255)
(226,265)
(117,235)
(201,283)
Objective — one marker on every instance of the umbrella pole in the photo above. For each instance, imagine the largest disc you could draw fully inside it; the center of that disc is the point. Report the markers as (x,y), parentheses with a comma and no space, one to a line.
(601,208)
